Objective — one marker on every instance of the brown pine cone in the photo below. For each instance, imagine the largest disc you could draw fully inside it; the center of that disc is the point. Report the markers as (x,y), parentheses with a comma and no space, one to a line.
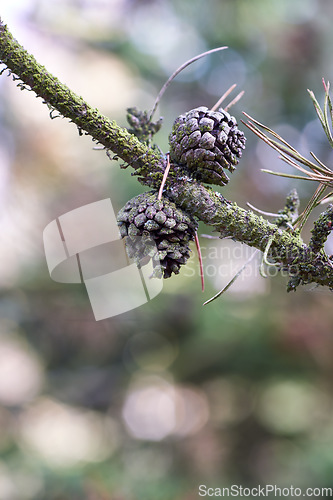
(145,220)
(207,142)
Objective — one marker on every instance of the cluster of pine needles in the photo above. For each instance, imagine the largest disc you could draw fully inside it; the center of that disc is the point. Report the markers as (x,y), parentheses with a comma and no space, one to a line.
(315,171)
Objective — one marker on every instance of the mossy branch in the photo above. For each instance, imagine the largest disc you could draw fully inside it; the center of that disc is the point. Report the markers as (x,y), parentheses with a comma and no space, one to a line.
(59,97)
(210,207)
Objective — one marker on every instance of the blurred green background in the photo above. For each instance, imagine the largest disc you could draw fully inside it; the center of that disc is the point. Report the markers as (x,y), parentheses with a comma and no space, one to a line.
(151,404)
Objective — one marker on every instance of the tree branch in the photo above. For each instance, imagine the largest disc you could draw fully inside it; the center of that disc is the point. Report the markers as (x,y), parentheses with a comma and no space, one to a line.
(210,207)
(59,97)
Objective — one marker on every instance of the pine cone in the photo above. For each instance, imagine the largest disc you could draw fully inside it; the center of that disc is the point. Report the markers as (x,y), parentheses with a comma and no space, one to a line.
(141,124)
(207,142)
(146,220)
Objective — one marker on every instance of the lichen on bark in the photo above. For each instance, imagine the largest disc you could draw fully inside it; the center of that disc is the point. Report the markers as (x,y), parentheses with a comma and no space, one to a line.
(225,217)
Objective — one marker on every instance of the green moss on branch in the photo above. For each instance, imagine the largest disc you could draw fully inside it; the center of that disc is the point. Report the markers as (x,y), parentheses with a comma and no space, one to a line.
(210,207)
(68,104)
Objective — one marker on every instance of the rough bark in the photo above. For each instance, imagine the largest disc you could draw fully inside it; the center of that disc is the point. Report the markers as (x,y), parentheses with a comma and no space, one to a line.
(301,261)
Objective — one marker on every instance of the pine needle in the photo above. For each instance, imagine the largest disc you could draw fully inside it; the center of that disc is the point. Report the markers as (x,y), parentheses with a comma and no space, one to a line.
(178,70)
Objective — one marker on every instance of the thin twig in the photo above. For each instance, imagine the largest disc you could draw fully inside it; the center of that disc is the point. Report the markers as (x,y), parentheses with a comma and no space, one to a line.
(165,175)
(261,212)
(175,73)
(233,279)
(197,244)
(224,96)
(233,102)
(264,257)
